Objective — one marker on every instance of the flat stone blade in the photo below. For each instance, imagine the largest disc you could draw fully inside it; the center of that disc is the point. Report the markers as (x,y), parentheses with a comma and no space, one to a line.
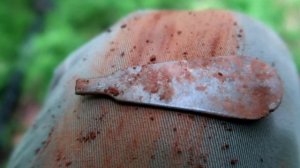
(227,86)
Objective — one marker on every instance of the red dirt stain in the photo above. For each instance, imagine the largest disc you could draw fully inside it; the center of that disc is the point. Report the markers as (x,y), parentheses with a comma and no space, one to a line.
(214,46)
(86,138)
(201,88)
(167,94)
(112,91)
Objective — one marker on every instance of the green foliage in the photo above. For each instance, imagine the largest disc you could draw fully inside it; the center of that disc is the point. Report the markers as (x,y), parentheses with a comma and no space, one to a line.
(16,18)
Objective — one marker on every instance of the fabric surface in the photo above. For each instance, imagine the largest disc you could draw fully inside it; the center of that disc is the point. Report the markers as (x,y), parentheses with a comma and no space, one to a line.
(96,131)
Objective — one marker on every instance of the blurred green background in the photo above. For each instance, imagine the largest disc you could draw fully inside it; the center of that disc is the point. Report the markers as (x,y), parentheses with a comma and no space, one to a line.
(36,35)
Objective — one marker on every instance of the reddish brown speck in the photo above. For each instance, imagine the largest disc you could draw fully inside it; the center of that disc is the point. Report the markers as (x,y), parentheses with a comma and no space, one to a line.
(225,146)
(174,129)
(123,26)
(88,137)
(134,158)
(152,58)
(152,157)
(200,166)
(179,32)
(234,161)
(185,53)
(92,135)
(219,76)
(112,90)
(192,117)
(122,54)
(228,129)
(147,41)
(151,118)
(68,163)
